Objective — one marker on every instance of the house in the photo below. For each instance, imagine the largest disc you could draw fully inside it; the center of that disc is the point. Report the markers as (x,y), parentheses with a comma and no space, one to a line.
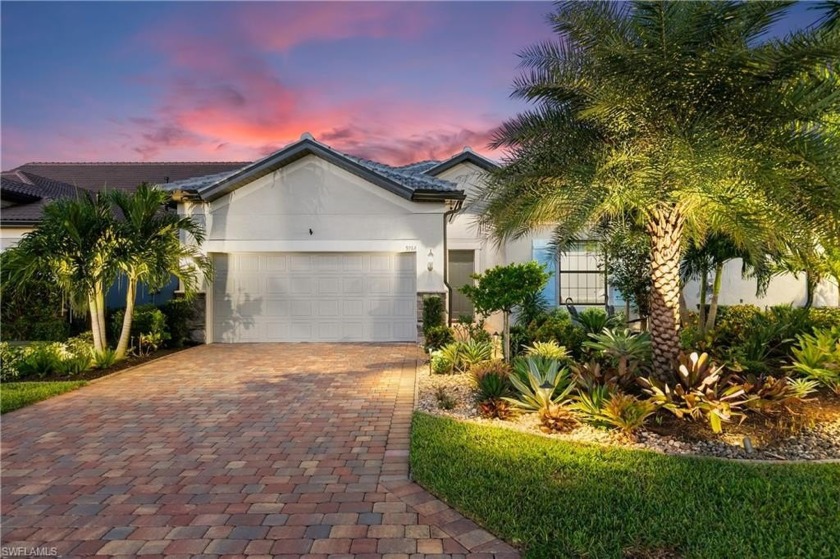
(311,244)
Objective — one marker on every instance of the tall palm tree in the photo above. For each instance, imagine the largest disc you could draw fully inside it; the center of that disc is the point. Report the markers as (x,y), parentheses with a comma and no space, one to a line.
(679,113)
(150,248)
(74,245)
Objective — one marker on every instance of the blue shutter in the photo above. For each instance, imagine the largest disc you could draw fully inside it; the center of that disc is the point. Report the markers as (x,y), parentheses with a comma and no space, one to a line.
(545,256)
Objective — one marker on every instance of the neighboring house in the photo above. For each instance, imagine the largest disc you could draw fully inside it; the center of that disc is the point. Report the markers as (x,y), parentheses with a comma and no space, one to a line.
(311,244)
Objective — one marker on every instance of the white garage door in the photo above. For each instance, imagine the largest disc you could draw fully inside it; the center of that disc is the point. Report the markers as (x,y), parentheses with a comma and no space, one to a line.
(314,297)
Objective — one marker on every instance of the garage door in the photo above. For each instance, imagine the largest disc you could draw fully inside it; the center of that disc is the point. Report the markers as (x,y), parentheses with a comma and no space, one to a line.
(314,297)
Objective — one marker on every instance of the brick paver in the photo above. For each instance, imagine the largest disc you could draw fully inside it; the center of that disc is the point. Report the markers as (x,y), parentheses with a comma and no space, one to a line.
(283,450)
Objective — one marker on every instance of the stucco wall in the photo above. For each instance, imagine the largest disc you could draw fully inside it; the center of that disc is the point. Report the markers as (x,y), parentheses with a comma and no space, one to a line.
(312,206)
(9,236)
(783,290)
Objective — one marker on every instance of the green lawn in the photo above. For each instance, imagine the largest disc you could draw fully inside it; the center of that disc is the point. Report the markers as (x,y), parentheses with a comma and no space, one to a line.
(556,499)
(15,395)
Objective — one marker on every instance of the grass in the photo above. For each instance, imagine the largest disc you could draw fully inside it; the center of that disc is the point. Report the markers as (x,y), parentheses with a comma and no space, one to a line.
(556,499)
(15,395)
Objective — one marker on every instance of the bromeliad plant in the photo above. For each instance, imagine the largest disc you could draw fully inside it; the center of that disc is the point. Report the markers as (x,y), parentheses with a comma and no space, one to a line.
(817,357)
(548,350)
(492,383)
(701,392)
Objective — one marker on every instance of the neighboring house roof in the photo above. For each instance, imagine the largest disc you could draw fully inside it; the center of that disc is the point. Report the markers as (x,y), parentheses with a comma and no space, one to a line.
(408,182)
(466,156)
(28,194)
(125,176)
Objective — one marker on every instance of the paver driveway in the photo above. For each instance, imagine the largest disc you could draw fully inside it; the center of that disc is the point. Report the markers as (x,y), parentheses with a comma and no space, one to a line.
(283,450)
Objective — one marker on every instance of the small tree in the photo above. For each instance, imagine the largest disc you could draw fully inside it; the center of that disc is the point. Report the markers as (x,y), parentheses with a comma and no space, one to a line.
(503,288)
(625,251)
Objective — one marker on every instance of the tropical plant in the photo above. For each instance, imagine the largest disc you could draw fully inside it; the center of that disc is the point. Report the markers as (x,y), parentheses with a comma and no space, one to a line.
(558,327)
(547,385)
(589,403)
(626,413)
(556,418)
(104,358)
(548,350)
(40,359)
(594,321)
(709,256)
(491,379)
(75,248)
(179,314)
(504,288)
(628,349)
(150,249)
(683,117)
(473,352)
(10,358)
(441,361)
(437,336)
(467,328)
(701,392)
(496,408)
(817,357)
(770,394)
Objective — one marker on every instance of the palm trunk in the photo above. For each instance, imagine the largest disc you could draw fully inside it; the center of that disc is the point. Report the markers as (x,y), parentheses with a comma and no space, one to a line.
(506,347)
(103,326)
(810,288)
(128,317)
(94,323)
(665,229)
(704,280)
(713,307)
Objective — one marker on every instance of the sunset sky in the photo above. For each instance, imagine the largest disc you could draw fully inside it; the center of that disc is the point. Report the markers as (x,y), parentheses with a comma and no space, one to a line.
(396,82)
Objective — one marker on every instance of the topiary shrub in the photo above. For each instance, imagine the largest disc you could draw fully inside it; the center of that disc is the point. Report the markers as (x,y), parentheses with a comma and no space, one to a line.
(433,313)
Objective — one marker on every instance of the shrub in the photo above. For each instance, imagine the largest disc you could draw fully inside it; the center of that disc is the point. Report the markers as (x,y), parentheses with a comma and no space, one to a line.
(558,327)
(73,364)
(466,329)
(441,363)
(433,313)
(733,323)
(437,337)
(10,358)
(825,318)
(40,359)
(491,379)
(178,314)
(148,329)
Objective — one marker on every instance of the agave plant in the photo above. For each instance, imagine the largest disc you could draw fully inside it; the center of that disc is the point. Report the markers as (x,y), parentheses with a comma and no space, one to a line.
(700,392)
(491,379)
(547,385)
(627,348)
(472,352)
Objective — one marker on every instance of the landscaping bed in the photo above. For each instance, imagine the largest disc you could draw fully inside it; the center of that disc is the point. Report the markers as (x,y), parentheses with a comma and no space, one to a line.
(554,498)
(812,433)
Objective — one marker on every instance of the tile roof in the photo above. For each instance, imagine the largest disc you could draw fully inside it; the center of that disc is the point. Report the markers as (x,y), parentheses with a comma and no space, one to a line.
(127,175)
(29,193)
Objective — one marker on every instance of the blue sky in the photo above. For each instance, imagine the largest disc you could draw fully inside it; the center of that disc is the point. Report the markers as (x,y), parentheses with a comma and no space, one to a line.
(94,81)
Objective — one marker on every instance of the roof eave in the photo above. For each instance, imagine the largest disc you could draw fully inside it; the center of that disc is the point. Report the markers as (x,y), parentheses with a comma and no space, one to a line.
(466,156)
(291,154)
(437,195)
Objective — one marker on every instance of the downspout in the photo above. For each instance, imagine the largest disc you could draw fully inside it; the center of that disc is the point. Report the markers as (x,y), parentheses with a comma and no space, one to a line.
(446,216)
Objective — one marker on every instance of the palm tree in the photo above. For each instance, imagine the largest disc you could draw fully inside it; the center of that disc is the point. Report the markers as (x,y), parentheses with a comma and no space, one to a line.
(74,246)
(681,114)
(150,248)
(709,257)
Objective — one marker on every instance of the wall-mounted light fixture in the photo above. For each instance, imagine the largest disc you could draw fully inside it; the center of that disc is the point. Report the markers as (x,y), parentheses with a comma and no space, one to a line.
(430,263)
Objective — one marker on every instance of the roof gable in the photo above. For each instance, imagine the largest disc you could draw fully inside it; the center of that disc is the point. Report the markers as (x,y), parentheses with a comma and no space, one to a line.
(406,183)
(466,156)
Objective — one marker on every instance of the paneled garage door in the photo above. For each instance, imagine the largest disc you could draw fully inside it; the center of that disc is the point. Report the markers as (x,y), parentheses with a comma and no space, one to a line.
(314,297)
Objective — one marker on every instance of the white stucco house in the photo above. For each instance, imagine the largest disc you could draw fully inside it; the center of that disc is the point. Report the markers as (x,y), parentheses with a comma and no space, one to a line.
(311,244)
